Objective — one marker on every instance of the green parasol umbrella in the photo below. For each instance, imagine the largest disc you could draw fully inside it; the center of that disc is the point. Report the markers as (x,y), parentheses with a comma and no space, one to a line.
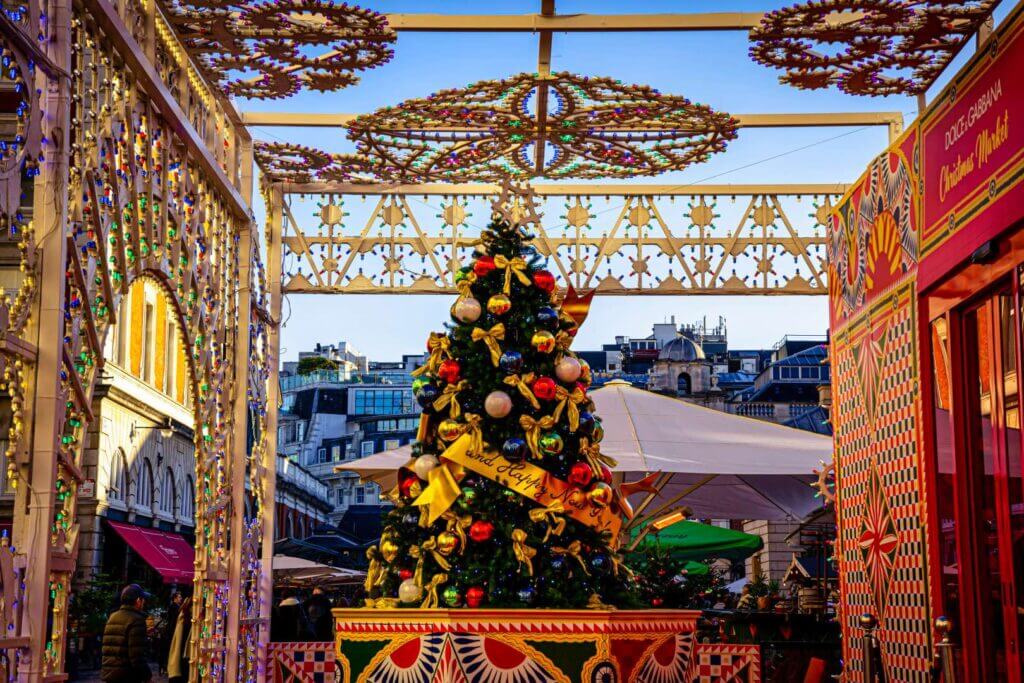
(688,540)
(696,568)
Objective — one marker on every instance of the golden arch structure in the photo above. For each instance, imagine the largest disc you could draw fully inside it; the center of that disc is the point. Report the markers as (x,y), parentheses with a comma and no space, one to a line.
(127,160)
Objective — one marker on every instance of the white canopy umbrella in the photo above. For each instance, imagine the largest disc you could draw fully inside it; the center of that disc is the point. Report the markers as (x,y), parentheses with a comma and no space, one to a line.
(719,465)
(288,569)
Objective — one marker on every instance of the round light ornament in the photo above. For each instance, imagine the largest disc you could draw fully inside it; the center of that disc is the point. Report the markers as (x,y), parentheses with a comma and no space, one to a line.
(447,543)
(551,443)
(467,310)
(543,341)
(498,404)
(423,465)
(409,592)
(568,369)
(499,304)
(452,596)
(600,495)
(388,550)
(448,430)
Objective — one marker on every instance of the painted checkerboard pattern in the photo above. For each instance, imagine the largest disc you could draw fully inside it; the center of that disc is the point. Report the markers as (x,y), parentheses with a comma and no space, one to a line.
(883,451)
(311,662)
(724,663)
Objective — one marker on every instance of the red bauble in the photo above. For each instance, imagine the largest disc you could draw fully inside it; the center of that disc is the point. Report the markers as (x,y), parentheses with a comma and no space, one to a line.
(656,602)
(544,280)
(481,530)
(606,475)
(410,486)
(474,596)
(483,265)
(449,371)
(544,388)
(580,474)
(405,574)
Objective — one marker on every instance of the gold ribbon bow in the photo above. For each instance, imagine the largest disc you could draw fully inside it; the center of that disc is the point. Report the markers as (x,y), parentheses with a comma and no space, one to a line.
(574,550)
(550,514)
(465,285)
(431,600)
(572,399)
(458,525)
(595,603)
(532,428)
(438,344)
(522,384)
(514,266)
(563,340)
(523,552)
(476,435)
(442,489)
(375,573)
(618,564)
(594,457)
(381,603)
(491,338)
(449,396)
(419,552)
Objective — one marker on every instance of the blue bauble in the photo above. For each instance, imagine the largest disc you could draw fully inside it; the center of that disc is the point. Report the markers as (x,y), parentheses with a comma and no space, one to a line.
(587,424)
(514,449)
(511,362)
(427,394)
(599,562)
(527,595)
(547,318)
(557,564)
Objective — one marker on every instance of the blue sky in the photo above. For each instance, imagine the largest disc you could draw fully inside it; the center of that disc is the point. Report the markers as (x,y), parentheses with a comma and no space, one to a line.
(711,68)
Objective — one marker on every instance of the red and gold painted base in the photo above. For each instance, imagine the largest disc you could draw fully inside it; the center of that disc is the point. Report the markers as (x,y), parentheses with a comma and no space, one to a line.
(533,646)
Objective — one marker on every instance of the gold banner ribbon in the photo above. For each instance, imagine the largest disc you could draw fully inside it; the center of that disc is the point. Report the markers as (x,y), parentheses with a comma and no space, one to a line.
(424,428)
(532,428)
(626,490)
(491,338)
(575,306)
(431,600)
(514,266)
(449,396)
(522,384)
(523,552)
(574,551)
(572,399)
(438,345)
(552,515)
(525,478)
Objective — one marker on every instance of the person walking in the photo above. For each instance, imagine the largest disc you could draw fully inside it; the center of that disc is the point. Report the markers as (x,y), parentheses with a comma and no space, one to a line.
(167,632)
(177,657)
(318,613)
(124,640)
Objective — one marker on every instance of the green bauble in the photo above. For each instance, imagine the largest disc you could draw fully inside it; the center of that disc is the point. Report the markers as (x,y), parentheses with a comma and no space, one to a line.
(510,494)
(452,596)
(468,497)
(551,443)
(418,383)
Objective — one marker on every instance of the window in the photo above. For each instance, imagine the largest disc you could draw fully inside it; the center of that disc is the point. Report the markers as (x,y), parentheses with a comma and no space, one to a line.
(300,431)
(383,401)
(360,495)
(167,492)
(144,489)
(336,452)
(808,373)
(148,342)
(118,487)
(123,333)
(348,451)
(188,499)
(366,448)
(397,425)
(391,443)
(341,496)
(170,348)
(321,455)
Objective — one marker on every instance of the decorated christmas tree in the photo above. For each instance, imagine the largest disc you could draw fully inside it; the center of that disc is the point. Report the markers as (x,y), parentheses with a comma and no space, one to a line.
(507,500)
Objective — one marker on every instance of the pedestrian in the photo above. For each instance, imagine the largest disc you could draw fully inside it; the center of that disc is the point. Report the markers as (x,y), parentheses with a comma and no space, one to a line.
(125,641)
(170,622)
(289,624)
(318,611)
(747,599)
(177,657)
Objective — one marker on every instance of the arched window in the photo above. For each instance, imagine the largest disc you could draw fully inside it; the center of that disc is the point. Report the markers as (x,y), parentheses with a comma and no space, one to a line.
(117,489)
(144,490)
(167,492)
(188,499)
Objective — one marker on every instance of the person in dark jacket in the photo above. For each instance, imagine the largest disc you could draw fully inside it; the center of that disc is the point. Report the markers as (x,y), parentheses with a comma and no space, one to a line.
(170,623)
(318,613)
(178,656)
(125,640)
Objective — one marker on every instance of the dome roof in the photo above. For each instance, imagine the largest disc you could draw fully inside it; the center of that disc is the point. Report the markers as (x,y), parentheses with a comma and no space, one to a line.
(681,349)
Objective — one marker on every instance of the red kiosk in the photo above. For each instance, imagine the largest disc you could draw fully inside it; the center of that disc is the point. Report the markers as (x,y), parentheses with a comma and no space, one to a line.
(927,272)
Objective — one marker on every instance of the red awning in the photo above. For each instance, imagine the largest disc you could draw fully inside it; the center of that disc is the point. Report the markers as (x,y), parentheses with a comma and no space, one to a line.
(169,554)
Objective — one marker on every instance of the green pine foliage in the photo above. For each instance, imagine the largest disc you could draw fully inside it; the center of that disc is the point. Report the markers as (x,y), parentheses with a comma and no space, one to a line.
(490,568)
(663,582)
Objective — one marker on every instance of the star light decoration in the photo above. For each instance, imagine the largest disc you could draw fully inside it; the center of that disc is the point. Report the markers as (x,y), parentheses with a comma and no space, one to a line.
(557,126)
(287,162)
(259,50)
(866,47)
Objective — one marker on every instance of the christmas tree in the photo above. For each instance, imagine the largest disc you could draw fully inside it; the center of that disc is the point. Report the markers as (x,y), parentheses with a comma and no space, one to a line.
(507,500)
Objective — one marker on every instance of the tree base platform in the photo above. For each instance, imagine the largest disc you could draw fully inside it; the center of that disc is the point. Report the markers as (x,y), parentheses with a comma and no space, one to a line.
(533,646)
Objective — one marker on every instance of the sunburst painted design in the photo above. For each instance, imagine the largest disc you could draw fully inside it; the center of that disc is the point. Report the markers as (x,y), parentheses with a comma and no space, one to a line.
(868,358)
(412,662)
(669,663)
(488,660)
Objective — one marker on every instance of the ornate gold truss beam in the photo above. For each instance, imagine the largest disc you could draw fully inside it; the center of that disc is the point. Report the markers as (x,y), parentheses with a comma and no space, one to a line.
(698,21)
(893,120)
(617,239)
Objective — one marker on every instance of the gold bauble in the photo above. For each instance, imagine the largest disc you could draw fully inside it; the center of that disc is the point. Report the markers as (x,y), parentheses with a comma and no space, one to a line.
(543,341)
(600,495)
(449,430)
(447,543)
(499,304)
(388,550)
